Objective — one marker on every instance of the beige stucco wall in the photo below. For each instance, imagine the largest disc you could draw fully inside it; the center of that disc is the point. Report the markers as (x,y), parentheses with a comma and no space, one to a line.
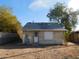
(58,37)
(30,34)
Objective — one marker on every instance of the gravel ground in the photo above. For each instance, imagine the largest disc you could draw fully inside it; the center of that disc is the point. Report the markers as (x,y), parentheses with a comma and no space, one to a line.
(48,52)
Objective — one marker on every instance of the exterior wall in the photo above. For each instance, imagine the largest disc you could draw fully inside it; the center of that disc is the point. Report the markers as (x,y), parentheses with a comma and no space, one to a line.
(30,34)
(58,38)
(57,35)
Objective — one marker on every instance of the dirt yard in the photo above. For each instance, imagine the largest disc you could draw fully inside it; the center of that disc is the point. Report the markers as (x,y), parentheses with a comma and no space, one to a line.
(18,51)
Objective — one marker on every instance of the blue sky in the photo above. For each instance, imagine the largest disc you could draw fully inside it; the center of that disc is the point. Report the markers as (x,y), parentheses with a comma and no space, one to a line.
(30,10)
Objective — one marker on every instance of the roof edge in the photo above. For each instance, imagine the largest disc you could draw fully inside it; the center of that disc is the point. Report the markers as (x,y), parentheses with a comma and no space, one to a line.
(45,30)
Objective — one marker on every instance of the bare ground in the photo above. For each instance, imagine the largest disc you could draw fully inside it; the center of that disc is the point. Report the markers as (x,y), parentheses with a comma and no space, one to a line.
(49,52)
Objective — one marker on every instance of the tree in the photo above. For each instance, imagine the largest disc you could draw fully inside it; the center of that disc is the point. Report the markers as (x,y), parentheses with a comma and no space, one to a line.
(63,15)
(9,22)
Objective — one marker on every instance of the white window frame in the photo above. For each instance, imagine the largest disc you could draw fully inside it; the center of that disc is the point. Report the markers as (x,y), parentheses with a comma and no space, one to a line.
(48,35)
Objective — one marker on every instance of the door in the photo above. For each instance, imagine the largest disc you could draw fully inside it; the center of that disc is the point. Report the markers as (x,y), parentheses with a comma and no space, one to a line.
(36,38)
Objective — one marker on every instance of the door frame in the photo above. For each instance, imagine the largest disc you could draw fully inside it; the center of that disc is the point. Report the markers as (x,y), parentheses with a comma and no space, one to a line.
(37,37)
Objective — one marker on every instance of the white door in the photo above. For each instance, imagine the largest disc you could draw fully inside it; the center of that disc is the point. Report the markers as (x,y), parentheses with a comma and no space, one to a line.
(35,39)
(48,35)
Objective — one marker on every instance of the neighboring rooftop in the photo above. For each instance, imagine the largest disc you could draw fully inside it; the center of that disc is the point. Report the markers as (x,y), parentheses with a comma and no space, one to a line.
(43,25)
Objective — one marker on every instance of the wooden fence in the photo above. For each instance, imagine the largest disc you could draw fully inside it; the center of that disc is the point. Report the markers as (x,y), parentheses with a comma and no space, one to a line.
(6,37)
(74,37)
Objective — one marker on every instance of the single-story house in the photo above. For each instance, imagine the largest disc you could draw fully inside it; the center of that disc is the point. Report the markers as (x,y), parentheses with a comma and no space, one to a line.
(44,33)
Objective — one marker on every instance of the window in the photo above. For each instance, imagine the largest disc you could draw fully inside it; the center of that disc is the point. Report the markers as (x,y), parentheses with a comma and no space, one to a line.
(48,35)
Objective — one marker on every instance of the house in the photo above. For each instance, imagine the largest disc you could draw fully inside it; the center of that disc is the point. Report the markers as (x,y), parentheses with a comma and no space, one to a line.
(44,33)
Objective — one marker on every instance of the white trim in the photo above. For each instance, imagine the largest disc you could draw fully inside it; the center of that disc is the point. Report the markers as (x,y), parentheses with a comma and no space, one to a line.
(45,29)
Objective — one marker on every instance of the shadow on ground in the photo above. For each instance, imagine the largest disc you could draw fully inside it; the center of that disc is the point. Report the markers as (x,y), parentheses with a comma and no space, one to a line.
(22,46)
